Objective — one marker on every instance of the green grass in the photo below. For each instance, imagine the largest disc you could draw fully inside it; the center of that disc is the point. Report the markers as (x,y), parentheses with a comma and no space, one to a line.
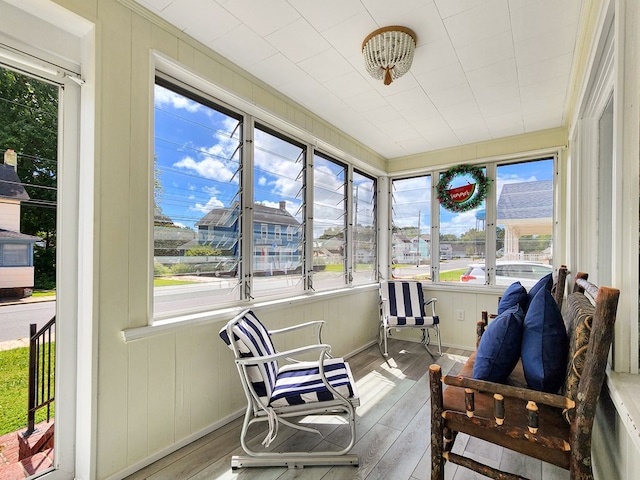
(44,293)
(451,275)
(165,282)
(14,372)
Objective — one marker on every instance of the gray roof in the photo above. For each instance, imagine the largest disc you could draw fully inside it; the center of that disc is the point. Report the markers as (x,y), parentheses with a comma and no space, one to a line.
(11,235)
(10,185)
(525,200)
(261,214)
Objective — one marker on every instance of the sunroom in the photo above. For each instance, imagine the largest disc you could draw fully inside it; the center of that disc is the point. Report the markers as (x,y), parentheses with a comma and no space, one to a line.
(319,181)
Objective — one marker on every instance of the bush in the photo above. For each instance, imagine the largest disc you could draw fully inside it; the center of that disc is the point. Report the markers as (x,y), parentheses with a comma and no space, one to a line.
(182,268)
(159,270)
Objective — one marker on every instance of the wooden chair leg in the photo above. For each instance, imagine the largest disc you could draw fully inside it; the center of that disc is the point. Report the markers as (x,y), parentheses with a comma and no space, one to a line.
(437,423)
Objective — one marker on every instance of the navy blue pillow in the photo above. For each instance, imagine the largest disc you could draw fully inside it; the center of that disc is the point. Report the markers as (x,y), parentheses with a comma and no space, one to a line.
(545,344)
(545,283)
(516,294)
(499,349)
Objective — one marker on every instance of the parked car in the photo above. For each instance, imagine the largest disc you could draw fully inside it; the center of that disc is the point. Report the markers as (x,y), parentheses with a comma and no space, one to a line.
(223,268)
(507,272)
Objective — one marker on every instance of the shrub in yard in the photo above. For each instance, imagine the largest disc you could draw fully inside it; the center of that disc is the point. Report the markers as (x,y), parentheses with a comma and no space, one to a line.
(182,268)
(160,270)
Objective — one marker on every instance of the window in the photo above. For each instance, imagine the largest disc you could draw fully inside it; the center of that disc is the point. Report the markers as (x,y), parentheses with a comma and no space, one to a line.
(410,227)
(364,245)
(279,199)
(524,219)
(197,219)
(462,236)
(14,255)
(523,209)
(226,189)
(329,223)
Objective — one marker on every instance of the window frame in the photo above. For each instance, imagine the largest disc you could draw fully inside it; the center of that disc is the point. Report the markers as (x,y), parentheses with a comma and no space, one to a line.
(253,118)
(491,165)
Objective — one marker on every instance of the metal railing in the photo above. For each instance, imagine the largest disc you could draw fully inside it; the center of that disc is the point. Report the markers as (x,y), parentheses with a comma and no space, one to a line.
(41,372)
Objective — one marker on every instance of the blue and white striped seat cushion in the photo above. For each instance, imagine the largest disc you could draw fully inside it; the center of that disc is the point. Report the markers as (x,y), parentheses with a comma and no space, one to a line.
(301,383)
(252,340)
(292,384)
(404,304)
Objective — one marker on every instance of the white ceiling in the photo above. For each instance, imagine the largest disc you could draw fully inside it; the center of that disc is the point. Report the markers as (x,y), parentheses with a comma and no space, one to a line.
(483,69)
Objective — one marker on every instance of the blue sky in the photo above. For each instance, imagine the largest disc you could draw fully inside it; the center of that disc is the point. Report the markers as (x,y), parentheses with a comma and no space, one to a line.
(197,159)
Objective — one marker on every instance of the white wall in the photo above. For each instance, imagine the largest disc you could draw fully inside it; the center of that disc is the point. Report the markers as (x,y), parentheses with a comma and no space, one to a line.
(11,277)
(10,215)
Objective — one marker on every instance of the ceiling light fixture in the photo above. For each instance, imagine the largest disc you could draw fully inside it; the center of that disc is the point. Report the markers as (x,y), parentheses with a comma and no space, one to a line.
(388,52)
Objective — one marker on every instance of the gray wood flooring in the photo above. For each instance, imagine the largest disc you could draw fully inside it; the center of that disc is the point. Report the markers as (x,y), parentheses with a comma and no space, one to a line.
(392,432)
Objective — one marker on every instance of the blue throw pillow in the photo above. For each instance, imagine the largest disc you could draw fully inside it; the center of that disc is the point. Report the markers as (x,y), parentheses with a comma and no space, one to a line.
(545,344)
(545,283)
(499,349)
(516,294)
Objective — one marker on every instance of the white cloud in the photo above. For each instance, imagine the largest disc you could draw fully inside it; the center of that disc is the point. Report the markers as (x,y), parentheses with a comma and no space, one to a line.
(459,223)
(512,178)
(163,97)
(211,168)
(206,208)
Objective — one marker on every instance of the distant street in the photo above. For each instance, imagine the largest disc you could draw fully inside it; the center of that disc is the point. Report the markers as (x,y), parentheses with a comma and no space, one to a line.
(15,319)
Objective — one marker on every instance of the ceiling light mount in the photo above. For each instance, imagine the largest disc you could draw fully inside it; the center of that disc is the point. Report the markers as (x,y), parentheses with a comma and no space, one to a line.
(388,52)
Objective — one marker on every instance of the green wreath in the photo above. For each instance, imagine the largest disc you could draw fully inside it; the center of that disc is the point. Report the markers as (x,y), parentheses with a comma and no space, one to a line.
(467,197)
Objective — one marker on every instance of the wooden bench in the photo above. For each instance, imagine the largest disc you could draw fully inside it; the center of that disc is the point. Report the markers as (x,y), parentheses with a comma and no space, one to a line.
(550,427)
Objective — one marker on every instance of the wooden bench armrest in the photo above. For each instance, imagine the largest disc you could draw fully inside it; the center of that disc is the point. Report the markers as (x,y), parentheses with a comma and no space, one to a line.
(520,393)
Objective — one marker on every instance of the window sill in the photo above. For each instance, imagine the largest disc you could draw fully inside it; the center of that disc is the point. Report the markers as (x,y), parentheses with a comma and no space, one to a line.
(624,390)
(164,326)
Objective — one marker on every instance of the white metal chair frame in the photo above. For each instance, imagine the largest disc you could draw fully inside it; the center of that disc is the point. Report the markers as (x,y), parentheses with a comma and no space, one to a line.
(430,322)
(257,411)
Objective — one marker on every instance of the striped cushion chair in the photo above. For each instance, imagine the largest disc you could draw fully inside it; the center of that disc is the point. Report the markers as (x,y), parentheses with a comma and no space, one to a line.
(278,387)
(402,305)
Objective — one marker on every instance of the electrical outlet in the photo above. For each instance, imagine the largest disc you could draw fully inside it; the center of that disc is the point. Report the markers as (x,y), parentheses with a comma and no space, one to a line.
(460,315)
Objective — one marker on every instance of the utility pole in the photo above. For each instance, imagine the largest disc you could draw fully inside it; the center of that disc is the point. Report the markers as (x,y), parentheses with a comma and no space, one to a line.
(418,244)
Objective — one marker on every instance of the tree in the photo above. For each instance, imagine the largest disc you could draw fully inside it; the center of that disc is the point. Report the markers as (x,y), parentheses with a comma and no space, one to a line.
(29,125)
(474,240)
(448,237)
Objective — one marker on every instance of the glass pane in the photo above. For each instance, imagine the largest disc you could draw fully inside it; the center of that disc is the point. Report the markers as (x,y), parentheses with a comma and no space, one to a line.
(462,240)
(196,209)
(364,230)
(278,194)
(329,224)
(410,226)
(15,255)
(524,222)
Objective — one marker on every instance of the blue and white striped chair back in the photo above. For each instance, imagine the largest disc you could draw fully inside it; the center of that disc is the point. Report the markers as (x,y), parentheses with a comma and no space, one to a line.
(404,303)
(251,339)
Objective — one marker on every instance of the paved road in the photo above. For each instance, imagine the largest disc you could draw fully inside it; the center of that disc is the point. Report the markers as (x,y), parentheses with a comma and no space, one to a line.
(15,318)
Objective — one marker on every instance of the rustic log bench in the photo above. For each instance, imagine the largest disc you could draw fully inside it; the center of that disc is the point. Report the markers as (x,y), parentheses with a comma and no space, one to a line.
(555,428)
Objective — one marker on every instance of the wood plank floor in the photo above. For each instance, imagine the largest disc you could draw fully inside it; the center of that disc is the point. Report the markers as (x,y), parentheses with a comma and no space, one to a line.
(392,428)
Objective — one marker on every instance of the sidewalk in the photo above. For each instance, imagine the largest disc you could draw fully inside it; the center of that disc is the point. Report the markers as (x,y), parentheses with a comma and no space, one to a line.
(22,301)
